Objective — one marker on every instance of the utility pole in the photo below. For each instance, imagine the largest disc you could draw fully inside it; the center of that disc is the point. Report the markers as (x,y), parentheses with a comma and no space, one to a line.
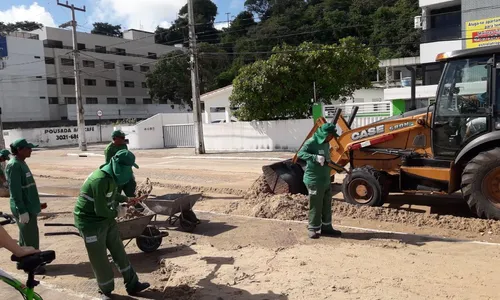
(195,84)
(228,20)
(82,141)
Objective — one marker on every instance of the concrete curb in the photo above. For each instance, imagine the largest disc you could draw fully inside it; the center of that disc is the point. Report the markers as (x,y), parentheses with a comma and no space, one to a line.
(85,154)
(226,158)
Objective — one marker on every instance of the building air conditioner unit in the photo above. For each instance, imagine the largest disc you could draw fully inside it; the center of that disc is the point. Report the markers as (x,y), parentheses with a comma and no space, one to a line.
(418,22)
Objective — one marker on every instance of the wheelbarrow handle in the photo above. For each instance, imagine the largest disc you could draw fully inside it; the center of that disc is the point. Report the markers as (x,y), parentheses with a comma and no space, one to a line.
(62,233)
(59,225)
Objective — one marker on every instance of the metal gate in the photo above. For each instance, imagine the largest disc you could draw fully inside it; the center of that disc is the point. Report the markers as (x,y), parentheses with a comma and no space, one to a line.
(178,136)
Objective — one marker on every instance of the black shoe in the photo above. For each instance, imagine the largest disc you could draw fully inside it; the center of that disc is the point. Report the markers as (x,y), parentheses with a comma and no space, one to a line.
(329,231)
(139,287)
(313,234)
(104,296)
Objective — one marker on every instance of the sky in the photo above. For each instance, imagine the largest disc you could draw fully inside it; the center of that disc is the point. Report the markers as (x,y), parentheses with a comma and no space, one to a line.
(137,14)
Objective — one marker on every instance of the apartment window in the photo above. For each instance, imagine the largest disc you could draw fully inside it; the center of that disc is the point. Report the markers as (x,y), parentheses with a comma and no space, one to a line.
(144,68)
(42,97)
(100,49)
(51,80)
(90,82)
(112,100)
(88,64)
(37,57)
(129,84)
(49,61)
(110,83)
(39,77)
(128,67)
(66,62)
(53,100)
(120,51)
(144,85)
(152,55)
(91,100)
(165,101)
(70,100)
(109,65)
(129,100)
(68,81)
(81,46)
(53,44)
(147,101)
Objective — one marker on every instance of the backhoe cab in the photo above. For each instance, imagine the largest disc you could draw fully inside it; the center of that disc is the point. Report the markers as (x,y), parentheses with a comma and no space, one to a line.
(451,145)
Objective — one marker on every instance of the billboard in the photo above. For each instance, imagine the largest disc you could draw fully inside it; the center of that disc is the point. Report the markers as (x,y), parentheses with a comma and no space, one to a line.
(3,46)
(481,33)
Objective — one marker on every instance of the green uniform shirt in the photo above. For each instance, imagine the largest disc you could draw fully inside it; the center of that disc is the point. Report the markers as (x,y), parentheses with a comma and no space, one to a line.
(111,150)
(23,192)
(98,201)
(315,173)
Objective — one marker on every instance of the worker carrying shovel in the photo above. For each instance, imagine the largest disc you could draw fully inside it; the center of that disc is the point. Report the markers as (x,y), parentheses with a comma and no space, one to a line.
(116,145)
(316,152)
(97,207)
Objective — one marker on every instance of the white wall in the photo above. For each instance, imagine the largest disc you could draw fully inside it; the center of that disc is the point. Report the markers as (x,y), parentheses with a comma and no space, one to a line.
(218,98)
(147,134)
(429,51)
(124,111)
(423,3)
(257,135)
(58,136)
(423,91)
(20,89)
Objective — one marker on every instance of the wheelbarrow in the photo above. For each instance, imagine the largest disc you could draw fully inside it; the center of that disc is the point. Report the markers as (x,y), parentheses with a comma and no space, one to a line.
(178,207)
(148,237)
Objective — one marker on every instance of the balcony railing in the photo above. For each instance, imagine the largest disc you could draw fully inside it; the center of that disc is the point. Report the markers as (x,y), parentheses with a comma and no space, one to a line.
(441,34)
(107,52)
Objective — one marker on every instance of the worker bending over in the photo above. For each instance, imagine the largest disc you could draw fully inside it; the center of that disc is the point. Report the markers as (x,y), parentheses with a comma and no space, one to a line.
(97,207)
(116,145)
(4,157)
(316,152)
(24,198)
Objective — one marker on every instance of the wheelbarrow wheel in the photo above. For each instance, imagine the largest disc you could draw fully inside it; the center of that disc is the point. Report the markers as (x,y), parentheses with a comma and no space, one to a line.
(186,224)
(148,243)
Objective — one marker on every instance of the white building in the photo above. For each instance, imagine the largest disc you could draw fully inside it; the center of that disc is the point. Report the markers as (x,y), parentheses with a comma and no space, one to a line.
(23,88)
(37,81)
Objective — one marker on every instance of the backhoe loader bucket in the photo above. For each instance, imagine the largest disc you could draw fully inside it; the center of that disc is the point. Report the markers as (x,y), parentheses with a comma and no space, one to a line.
(285,177)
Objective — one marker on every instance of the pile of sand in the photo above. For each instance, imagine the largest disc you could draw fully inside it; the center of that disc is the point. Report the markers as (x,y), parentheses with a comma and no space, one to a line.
(259,202)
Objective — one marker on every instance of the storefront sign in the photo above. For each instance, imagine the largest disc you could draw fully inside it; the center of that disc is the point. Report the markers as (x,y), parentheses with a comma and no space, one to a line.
(481,33)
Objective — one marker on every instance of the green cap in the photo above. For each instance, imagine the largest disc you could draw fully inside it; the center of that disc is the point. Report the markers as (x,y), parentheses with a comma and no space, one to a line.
(4,153)
(125,158)
(22,143)
(322,132)
(118,133)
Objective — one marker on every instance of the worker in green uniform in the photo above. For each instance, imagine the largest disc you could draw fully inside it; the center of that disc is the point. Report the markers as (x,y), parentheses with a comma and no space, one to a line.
(4,157)
(97,207)
(116,145)
(316,152)
(24,198)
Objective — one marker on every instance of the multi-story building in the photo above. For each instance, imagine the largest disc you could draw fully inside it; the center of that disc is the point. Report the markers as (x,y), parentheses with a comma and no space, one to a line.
(449,25)
(37,79)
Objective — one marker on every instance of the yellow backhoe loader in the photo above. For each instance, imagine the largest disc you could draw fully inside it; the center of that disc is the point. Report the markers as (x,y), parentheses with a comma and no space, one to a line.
(451,145)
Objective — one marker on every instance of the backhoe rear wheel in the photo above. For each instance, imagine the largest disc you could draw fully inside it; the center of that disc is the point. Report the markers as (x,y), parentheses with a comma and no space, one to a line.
(365,186)
(481,184)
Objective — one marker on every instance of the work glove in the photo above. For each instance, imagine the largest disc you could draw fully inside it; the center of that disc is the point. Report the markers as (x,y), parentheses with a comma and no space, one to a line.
(320,159)
(122,210)
(24,218)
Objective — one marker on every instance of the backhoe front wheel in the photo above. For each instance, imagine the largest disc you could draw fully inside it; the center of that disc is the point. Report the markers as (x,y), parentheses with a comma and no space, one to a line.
(481,184)
(365,186)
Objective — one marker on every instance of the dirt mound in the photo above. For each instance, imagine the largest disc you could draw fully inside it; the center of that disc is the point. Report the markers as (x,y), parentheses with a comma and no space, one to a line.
(200,189)
(259,202)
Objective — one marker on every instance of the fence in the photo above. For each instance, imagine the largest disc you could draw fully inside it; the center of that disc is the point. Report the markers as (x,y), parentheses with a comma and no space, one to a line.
(368,112)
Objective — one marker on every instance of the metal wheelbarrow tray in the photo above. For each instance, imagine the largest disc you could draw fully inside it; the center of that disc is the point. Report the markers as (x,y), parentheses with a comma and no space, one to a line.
(178,207)
(148,237)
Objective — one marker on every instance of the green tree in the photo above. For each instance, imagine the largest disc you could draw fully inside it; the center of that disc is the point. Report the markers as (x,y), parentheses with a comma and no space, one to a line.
(282,86)
(171,77)
(6,28)
(107,29)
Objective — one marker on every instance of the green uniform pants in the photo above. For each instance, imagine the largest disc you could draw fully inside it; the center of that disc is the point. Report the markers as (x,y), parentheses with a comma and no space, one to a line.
(28,233)
(320,205)
(97,241)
